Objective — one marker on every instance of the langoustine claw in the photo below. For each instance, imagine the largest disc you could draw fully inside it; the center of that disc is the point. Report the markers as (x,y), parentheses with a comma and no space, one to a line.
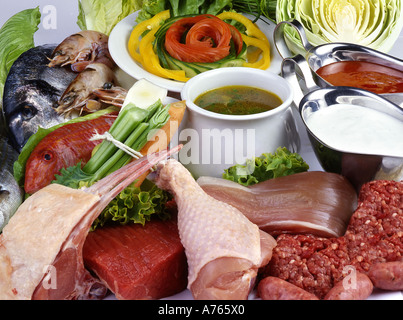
(79,94)
(56,221)
(81,49)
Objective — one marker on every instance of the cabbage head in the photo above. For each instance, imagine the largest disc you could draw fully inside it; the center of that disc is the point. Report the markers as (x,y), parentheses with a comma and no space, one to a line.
(372,23)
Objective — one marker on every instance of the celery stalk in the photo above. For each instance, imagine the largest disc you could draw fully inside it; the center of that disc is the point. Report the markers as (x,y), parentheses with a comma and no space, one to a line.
(114,163)
(133,127)
(159,119)
(123,126)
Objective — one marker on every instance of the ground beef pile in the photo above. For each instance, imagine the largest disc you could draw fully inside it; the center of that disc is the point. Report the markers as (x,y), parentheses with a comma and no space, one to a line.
(374,234)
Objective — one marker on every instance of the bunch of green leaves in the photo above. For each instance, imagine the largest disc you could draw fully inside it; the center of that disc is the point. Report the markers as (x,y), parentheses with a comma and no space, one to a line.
(135,205)
(182,7)
(214,7)
(267,166)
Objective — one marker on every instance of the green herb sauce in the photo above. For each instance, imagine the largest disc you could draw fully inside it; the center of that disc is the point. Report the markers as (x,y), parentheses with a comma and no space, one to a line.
(238,100)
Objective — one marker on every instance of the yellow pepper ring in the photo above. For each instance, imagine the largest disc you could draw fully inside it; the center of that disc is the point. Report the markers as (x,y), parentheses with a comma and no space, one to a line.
(254,37)
(138,30)
(264,62)
(251,29)
(141,49)
(151,62)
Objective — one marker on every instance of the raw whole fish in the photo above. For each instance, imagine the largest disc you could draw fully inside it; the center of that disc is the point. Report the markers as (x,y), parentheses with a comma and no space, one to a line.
(41,246)
(62,148)
(314,202)
(136,261)
(224,249)
(31,94)
(11,195)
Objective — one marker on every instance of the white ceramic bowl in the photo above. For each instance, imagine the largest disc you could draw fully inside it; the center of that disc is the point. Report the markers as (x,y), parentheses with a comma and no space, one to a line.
(213,142)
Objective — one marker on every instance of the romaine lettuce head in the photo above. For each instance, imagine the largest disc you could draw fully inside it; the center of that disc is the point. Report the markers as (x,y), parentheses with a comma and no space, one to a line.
(372,23)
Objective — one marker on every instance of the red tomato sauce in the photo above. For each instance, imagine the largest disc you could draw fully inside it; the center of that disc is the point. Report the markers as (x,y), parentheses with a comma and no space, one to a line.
(365,75)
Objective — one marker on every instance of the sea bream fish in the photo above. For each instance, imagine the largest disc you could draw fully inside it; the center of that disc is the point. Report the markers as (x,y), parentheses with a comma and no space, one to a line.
(11,195)
(31,94)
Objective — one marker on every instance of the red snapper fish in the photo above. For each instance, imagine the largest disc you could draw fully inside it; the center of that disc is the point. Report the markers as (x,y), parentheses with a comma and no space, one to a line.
(62,148)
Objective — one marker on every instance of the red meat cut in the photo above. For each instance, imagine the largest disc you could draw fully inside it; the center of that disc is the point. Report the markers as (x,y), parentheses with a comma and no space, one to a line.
(138,262)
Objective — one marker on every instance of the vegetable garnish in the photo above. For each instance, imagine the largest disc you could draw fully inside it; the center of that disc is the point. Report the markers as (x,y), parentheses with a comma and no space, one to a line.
(207,39)
(141,48)
(135,205)
(267,166)
(132,127)
(178,48)
(372,23)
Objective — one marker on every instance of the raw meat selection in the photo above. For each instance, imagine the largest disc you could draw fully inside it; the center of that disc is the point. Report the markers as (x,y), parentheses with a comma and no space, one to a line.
(315,202)
(374,236)
(41,246)
(138,262)
(224,249)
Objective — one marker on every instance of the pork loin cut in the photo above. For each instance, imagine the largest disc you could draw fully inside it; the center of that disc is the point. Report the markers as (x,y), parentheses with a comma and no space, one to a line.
(138,262)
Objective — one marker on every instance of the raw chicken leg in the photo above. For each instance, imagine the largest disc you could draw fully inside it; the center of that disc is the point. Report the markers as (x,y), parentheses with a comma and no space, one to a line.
(224,249)
(41,246)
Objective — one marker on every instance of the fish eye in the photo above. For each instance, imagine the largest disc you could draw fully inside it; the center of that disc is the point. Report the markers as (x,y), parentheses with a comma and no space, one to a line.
(107,85)
(47,156)
(28,112)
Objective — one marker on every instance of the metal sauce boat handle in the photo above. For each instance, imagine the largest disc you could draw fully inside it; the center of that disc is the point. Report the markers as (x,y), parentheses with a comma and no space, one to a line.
(279,39)
(297,72)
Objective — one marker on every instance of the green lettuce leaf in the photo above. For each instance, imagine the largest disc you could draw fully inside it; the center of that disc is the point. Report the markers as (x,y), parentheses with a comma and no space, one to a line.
(103,15)
(16,37)
(267,166)
(182,7)
(135,205)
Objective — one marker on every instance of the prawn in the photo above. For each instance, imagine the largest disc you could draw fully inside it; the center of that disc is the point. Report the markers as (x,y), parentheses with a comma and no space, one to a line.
(81,49)
(79,94)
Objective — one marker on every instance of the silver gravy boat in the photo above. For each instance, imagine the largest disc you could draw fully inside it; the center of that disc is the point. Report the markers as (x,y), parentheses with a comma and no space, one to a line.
(296,67)
(311,93)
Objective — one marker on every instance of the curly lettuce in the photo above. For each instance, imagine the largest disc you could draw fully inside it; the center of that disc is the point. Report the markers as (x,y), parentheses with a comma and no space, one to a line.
(265,167)
(135,205)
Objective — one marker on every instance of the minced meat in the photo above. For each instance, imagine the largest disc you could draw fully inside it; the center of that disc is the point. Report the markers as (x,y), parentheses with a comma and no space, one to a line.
(374,234)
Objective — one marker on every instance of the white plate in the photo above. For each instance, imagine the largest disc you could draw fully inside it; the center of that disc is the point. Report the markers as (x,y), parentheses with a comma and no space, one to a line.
(119,38)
